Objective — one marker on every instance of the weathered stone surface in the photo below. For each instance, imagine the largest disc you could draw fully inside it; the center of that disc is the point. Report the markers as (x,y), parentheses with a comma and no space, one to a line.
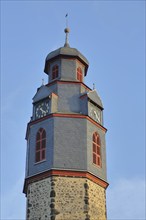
(97,202)
(70,202)
(39,200)
(52,217)
(52,205)
(86,186)
(52,194)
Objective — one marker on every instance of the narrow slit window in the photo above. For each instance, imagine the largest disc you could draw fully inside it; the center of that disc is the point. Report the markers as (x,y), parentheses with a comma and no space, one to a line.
(55,71)
(79,74)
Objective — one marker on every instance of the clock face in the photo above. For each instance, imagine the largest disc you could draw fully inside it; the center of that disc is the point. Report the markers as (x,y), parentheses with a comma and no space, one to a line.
(42,109)
(95,114)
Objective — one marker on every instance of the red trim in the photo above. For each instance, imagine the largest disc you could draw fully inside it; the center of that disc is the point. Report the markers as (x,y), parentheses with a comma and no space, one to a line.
(68,115)
(64,173)
(79,116)
(83,96)
(53,94)
(81,64)
(61,56)
(64,116)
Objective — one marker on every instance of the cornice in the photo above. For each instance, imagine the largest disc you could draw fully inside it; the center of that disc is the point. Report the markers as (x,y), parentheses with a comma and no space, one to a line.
(64,115)
(64,173)
(68,82)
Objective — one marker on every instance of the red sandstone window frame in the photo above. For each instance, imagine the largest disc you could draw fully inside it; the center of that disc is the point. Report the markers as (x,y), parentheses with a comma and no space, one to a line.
(96,149)
(79,74)
(40,153)
(55,71)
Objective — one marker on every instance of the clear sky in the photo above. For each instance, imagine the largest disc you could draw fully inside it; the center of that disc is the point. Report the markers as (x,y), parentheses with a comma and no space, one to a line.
(111,34)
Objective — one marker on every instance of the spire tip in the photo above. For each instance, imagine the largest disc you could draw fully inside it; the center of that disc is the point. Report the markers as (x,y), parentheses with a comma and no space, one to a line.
(66,30)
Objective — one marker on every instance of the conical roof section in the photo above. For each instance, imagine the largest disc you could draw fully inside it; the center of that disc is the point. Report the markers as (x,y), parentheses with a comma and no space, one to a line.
(66,51)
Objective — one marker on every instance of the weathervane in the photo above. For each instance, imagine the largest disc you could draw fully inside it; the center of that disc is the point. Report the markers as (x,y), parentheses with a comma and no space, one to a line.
(66,30)
(66,20)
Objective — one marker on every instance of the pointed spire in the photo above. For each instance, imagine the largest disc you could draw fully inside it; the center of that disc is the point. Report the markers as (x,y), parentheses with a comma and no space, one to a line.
(66,30)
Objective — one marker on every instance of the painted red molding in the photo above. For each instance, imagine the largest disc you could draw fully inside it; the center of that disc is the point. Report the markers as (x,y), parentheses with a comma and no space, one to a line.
(64,116)
(64,173)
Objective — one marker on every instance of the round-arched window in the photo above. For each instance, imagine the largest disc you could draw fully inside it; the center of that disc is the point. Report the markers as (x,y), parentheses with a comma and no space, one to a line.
(40,153)
(79,74)
(96,149)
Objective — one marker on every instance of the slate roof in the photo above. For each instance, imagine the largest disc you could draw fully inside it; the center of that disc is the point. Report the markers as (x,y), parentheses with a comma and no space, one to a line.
(66,51)
(42,93)
(93,96)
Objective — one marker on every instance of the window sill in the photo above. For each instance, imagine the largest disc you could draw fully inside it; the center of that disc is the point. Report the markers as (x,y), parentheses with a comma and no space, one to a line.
(97,166)
(36,163)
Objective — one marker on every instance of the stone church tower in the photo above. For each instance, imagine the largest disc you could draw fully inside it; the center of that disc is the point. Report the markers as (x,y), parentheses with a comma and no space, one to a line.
(66,151)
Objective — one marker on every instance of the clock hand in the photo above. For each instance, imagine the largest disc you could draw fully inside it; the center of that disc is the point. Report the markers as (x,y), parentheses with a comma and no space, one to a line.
(42,110)
(97,116)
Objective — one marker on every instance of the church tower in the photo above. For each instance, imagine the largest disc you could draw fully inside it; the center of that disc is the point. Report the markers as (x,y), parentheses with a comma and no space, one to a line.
(66,151)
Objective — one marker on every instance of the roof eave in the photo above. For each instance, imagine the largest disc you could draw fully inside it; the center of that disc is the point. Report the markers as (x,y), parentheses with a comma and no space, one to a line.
(86,63)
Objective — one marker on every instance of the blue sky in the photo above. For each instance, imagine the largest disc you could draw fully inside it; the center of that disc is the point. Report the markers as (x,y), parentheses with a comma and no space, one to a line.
(111,34)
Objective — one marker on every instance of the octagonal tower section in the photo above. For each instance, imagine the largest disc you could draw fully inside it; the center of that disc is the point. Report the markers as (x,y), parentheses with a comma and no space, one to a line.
(66,152)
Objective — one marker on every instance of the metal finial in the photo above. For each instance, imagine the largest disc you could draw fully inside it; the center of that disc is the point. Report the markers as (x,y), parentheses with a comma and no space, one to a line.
(42,82)
(66,30)
(93,86)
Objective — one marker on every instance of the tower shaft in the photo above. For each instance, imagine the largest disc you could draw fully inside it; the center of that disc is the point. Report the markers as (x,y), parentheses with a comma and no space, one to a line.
(66,151)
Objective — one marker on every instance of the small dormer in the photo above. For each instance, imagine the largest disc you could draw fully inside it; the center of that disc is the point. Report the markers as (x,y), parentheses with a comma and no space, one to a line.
(66,64)
(92,106)
(44,102)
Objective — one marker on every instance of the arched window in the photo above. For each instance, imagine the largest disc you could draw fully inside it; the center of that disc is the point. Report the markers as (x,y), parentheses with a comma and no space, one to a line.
(40,145)
(55,72)
(96,149)
(79,74)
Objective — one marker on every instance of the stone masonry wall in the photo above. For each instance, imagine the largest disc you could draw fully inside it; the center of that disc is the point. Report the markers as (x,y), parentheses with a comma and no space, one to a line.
(97,201)
(70,198)
(38,200)
(66,198)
